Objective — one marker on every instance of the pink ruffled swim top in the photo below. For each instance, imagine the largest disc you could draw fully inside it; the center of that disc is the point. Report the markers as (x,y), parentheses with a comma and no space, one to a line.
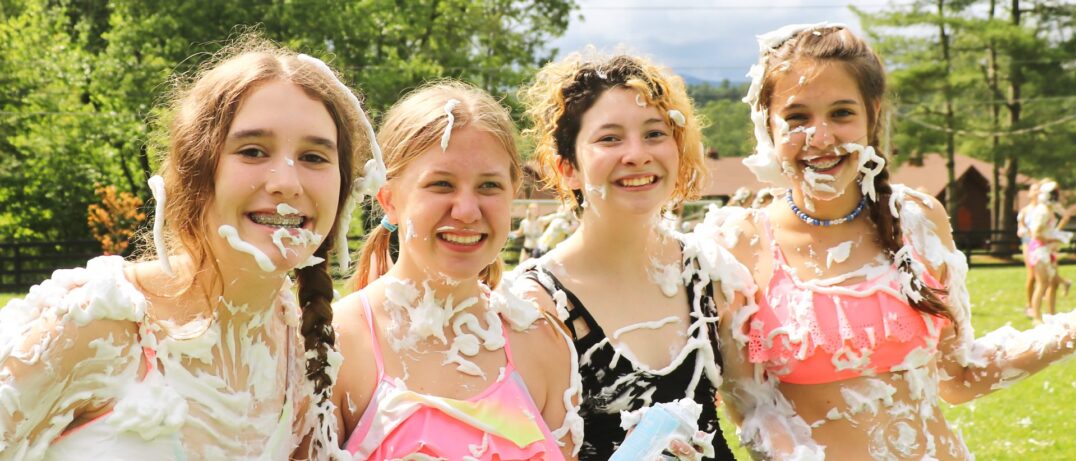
(500,423)
(808,333)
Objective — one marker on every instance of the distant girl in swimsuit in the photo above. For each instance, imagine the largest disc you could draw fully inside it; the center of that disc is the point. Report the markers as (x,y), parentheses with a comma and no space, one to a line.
(530,229)
(1023,230)
(202,352)
(618,140)
(436,365)
(1047,236)
(861,317)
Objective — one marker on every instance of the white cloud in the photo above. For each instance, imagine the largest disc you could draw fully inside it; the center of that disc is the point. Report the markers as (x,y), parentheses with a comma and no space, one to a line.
(710,41)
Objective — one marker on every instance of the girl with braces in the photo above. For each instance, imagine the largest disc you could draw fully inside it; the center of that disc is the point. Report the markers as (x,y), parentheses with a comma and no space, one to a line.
(859,319)
(202,351)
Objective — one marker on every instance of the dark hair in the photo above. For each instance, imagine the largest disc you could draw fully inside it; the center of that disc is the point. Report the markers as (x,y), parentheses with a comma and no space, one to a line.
(836,44)
(563,91)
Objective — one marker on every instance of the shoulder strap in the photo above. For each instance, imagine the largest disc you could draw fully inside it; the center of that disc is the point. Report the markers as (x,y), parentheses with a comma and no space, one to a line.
(775,249)
(576,309)
(373,336)
(707,305)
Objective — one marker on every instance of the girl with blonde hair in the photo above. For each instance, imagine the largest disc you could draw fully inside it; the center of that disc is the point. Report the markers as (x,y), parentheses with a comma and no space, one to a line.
(437,365)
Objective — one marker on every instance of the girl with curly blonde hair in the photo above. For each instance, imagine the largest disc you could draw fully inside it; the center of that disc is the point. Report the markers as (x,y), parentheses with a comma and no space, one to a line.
(618,140)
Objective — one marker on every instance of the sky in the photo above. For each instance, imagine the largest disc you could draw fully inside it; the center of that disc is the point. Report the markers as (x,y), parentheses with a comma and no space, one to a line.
(710,40)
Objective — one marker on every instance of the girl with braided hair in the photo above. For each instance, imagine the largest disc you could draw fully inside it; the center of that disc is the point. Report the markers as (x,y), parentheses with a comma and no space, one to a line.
(437,364)
(859,317)
(202,351)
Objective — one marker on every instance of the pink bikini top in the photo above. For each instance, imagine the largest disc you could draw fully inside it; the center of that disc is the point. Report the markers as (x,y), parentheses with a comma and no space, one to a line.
(502,422)
(810,333)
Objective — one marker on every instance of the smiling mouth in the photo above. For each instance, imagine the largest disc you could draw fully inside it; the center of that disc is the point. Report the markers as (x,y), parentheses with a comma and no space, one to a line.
(820,164)
(276,220)
(461,239)
(636,182)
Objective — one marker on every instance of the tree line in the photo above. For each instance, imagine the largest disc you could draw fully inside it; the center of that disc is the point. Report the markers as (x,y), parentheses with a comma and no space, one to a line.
(80,81)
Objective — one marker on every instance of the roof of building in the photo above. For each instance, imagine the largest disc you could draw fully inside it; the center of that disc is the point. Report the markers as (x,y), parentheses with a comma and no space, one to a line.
(729,173)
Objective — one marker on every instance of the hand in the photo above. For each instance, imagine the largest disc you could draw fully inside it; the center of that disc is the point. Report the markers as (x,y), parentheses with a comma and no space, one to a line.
(694,450)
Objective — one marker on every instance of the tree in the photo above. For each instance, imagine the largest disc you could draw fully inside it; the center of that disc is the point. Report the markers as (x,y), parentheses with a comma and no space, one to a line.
(727,128)
(50,135)
(730,129)
(954,85)
(81,78)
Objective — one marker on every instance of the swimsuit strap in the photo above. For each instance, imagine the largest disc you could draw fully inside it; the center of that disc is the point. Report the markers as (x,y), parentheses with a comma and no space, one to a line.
(149,355)
(373,336)
(510,364)
(778,256)
(707,305)
(576,309)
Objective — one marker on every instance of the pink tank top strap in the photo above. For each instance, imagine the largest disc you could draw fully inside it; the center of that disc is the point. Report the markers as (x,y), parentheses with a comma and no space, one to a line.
(149,355)
(775,250)
(510,363)
(376,343)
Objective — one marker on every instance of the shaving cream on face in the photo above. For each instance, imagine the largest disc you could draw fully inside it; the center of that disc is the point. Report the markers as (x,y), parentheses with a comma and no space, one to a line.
(764,162)
(232,236)
(639,100)
(870,164)
(283,209)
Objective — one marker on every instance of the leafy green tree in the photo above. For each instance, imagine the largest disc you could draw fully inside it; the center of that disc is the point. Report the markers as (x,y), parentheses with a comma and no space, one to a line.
(50,135)
(993,86)
(81,78)
(730,130)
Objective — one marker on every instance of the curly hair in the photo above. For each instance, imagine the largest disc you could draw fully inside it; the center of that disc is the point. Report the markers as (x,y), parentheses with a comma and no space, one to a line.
(563,91)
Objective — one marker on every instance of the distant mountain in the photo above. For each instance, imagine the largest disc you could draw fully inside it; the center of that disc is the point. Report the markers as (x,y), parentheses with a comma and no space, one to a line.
(691,80)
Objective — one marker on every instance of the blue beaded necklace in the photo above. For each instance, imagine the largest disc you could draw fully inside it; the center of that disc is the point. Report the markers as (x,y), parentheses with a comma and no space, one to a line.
(825,222)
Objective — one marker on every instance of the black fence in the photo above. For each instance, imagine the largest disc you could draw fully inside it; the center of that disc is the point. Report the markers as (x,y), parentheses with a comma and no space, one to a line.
(25,264)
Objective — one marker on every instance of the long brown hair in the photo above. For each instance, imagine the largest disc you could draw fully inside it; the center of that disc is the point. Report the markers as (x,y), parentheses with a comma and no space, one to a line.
(202,109)
(412,126)
(840,46)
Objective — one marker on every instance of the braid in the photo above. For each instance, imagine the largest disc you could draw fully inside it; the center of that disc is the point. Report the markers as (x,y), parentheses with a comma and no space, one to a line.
(315,296)
(891,239)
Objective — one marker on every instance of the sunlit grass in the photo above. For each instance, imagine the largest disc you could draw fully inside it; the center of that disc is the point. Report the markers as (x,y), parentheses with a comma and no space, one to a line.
(5,297)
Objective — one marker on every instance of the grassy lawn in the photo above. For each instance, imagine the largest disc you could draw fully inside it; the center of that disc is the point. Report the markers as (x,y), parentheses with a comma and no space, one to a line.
(1033,420)
(5,297)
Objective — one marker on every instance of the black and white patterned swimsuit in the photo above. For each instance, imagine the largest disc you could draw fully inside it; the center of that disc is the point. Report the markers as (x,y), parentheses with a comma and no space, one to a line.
(613,383)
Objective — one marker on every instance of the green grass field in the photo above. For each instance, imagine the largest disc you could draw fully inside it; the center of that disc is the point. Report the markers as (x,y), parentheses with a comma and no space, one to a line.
(5,297)
(1036,418)
(1033,420)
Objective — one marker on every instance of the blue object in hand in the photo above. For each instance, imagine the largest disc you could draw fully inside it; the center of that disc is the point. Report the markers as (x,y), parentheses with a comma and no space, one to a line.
(651,436)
